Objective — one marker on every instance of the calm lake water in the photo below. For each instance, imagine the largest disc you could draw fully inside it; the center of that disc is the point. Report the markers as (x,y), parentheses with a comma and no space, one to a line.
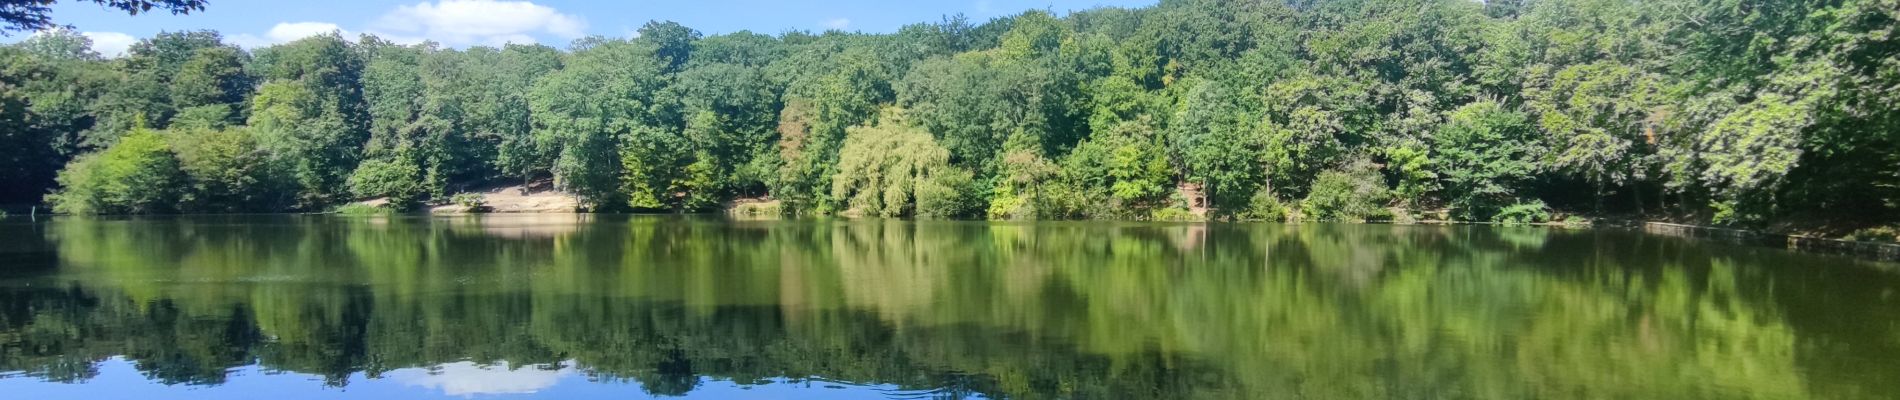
(576,306)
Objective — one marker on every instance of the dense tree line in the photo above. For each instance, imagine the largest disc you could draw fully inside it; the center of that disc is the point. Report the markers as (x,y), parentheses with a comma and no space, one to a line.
(1741,111)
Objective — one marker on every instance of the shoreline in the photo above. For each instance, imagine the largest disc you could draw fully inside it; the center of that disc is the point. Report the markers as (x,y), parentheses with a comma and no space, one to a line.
(1866,250)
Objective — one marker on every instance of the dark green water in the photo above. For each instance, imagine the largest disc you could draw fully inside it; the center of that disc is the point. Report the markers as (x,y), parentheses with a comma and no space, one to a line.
(631,307)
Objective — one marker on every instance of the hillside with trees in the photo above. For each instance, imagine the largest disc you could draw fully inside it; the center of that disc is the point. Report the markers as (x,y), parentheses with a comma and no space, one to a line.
(1728,111)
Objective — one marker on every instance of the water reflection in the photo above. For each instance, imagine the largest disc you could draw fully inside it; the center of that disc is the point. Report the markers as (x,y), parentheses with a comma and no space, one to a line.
(467,378)
(513,304)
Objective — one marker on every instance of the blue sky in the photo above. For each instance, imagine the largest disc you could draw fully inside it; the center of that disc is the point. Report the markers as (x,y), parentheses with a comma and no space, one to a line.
(461,23)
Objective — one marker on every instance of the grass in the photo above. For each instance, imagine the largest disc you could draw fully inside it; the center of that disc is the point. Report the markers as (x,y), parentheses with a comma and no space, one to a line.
(361,209)
(764,209)
(1175,214)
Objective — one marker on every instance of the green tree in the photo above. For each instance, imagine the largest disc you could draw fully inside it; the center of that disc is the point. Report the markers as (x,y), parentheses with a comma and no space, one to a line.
(225,170)
(310,114)
(28,168)
(1217,146)
(396,179)
(893,169)
(607,94)
(507,83)
(1485,154)
(137,175)
(1596,119)
(833,83)
(212,83)
(1356,194)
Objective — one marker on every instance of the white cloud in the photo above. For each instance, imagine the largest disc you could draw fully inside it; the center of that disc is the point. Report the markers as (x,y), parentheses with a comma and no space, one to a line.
(285,32)
(110,44)
(472,22)
(837,23)
(467,378)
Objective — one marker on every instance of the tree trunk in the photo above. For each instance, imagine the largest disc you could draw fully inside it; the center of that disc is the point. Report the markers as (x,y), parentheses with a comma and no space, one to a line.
(1599,197)
(1636,191)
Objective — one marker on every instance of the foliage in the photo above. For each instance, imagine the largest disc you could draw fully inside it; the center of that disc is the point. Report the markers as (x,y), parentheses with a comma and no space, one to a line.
(1875,234)
(596,112)
(1353,195)
(361,209)
(397,180)
(226,171)
(1487,154)
(1173,214)
(757,209)
(892,169)
(137,175)
(1416,173)
(1523,213)
(310,114)
(33,15)
(1266,206)
(1217,145)
(472,202)
(1734,112)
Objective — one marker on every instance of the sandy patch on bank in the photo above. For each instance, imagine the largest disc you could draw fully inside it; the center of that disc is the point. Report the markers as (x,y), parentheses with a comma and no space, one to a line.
(536,197)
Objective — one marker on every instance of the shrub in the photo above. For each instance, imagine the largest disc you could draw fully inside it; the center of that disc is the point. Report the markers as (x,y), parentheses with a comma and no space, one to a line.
(395,179)
(1016,193)
(1181,214)
(360,209)
(1006,204)
(1527,212)
(137,175)
(762,209)
(1265,206)
(225,171)
(948,193)
(1876,234)
(1356,195)
(472,202)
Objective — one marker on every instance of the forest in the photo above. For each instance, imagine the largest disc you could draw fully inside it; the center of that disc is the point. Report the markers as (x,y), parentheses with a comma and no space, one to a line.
(1741,112)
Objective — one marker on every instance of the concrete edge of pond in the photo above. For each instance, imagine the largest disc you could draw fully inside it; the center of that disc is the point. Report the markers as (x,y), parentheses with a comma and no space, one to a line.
(1875,251)
(1878,251)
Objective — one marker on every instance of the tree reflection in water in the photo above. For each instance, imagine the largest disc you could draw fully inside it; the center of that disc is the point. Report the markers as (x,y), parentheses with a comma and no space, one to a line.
(955,309)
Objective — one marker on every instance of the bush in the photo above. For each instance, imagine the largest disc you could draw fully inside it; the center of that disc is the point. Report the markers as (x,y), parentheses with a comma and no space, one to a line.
(1180,214)
(1265,206)
(948,193)
(395,179)
(1351,196)
(225,171)
(1528,212)
(472,202)
(1876,234)
(137,175)
(360,209)
(760,209)
(1006,204)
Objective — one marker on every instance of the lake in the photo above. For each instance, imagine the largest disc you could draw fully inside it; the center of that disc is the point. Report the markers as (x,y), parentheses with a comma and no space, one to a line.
(593,306)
